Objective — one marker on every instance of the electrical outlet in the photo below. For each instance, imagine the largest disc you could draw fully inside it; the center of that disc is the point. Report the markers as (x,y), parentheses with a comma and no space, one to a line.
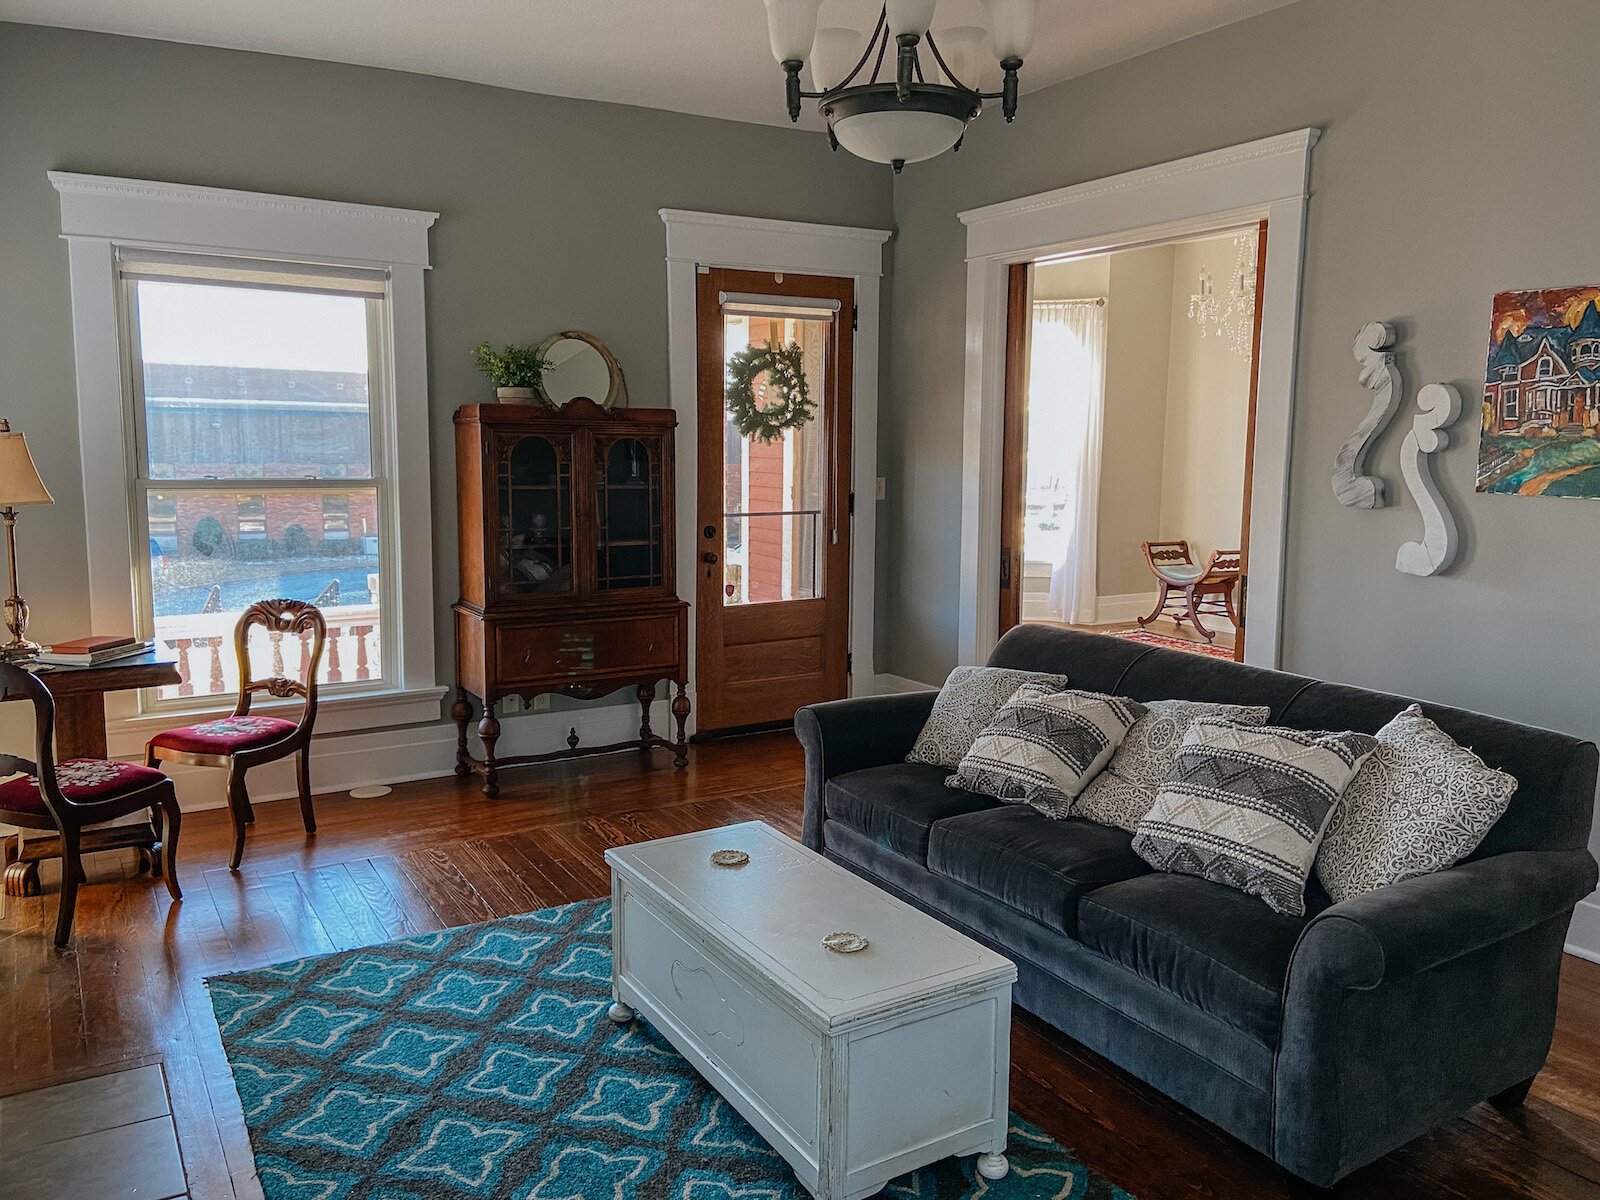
(541,704)
(511,704)
(883,488)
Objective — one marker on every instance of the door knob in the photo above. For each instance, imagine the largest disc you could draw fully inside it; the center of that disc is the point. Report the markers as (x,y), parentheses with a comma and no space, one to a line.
(708,557)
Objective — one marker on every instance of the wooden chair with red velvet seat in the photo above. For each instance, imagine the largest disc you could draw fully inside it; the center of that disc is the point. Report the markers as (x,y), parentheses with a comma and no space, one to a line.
(1201,589)
(245,740)
(68,798)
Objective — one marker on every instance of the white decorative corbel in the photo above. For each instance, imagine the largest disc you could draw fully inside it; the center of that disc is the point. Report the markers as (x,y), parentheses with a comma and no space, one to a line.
(1439,405)
(1373,350)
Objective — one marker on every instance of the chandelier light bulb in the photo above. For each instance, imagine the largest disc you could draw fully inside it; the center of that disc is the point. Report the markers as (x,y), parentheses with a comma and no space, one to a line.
(1011,27)
(834,56)
(965,50)
(910,16)
(792,26)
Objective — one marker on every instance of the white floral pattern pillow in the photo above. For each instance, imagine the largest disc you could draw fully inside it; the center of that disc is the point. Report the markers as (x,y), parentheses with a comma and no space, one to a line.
(967,702)
(1124,793)
(1420,804)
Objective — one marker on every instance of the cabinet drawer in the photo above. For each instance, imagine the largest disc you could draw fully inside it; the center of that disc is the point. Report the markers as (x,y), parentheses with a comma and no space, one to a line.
(572,651)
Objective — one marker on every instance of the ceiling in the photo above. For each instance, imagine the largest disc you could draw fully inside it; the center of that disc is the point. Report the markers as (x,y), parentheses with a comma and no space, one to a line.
(697,56)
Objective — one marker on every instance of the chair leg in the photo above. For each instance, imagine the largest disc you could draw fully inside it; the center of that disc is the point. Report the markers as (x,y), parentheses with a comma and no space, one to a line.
(302,770)
(156,852)
(1161,603)
(239,808)
(1193,593)
(71,876)
(172,819)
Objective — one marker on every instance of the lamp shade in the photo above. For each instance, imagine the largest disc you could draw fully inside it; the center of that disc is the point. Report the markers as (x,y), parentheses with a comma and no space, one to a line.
(792,25)
(910,16)
(834,56)
(1011,27)
(906,136)
(965,50)
(19,478)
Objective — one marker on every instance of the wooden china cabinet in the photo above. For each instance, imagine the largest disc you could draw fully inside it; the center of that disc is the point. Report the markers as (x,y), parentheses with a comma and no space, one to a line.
(566,568)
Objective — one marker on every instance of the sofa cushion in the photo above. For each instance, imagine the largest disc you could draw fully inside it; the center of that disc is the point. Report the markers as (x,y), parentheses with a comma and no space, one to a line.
(1035,864)
(1213,947)
(967,702)
(896,805)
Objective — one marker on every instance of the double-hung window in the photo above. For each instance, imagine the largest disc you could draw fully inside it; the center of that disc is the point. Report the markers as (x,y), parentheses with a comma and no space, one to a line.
(257,389)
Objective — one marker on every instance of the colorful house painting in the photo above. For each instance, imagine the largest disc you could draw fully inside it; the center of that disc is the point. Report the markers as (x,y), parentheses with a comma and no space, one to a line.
(1541,395)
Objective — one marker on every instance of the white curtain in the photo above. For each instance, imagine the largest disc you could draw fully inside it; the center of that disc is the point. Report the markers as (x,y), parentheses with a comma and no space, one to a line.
(1066,403)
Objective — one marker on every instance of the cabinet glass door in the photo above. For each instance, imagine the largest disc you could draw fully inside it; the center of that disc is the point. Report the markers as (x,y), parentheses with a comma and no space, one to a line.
(534,543)
(628,513)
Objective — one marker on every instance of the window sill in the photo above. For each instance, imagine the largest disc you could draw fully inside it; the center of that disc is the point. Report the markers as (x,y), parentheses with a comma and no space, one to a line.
(335,714)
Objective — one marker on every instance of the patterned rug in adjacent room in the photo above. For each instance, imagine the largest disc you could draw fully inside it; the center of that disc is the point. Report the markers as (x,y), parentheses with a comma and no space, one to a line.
(479,1062)
(1146,638)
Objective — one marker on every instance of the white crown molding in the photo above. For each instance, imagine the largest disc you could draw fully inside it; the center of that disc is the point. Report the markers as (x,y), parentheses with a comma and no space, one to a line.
(1267,170)
(151,212)
(762,243)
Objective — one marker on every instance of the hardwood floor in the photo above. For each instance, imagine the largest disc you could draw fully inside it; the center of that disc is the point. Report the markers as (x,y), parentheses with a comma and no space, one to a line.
(437,853)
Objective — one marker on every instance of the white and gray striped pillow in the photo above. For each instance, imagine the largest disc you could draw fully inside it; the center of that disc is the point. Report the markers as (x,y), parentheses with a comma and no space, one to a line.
(1247,807)
(1045,745)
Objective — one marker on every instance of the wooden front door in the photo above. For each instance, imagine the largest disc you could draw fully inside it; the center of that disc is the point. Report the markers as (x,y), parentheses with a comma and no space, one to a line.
(773,533)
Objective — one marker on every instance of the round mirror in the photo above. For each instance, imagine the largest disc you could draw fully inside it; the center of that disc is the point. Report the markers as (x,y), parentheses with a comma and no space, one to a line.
(579,365)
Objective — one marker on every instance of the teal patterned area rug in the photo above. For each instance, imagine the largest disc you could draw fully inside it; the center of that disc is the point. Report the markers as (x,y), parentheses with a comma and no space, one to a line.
(479,1062)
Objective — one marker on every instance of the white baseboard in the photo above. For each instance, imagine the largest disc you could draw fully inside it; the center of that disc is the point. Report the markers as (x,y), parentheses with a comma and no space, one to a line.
(885,685)
(1583,935)
(1118,610)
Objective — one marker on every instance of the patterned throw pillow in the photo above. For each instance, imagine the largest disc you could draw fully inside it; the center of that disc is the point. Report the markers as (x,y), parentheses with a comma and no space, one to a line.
(1124,793)
(1420,804)
(1044,745)
(967,703)
(1247,807)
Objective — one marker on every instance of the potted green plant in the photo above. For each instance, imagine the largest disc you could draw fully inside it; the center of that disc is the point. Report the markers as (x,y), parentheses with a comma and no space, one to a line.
(515,371)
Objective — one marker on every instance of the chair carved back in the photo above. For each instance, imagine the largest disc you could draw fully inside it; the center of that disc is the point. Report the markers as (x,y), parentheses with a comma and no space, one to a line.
(282,620)
(1160,553)
(1223,564)
(17,684)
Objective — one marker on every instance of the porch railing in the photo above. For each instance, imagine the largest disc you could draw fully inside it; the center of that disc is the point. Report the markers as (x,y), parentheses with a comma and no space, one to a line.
(203,643)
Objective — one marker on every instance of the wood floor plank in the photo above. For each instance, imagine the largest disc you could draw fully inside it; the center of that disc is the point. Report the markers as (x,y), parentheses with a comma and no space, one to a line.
(437,854)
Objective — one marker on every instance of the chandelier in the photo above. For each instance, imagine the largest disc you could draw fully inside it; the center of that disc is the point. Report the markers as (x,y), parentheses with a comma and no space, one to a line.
(1231,317)
(922,106)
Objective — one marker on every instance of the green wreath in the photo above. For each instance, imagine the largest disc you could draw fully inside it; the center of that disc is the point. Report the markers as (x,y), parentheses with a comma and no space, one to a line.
(784,367)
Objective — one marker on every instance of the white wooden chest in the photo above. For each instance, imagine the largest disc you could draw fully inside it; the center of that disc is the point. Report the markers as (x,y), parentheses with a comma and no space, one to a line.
(856,1067)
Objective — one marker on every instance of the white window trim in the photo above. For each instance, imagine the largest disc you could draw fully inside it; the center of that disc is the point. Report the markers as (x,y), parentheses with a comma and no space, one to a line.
(1266,179)
(100,213)
(700,239)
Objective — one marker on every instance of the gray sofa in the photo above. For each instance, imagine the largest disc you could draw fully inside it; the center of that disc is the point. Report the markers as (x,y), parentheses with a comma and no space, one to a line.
(1324,1041)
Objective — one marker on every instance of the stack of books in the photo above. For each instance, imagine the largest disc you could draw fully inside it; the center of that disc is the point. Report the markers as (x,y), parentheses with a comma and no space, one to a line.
(92,651)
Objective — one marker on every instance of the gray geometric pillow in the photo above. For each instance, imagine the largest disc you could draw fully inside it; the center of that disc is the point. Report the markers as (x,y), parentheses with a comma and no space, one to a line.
(1420,804)
(1247,807)
(967,703)
(1044,745)
(1123,794)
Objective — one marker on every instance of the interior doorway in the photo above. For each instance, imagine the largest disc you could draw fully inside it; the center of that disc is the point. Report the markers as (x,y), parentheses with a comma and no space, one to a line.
(1130,394)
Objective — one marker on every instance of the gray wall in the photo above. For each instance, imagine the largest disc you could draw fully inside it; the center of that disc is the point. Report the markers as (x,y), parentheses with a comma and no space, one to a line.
(549,221)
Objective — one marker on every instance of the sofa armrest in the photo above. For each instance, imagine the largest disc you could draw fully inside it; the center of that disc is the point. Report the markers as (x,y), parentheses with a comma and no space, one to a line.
(1418,924)
(852,735)
(1408,1005)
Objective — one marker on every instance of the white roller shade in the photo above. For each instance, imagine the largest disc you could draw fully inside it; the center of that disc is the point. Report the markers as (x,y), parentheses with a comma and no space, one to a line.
(220,271)
(797,308)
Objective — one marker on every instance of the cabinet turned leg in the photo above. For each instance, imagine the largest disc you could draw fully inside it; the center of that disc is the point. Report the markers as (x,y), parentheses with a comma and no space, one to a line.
(993,1166)
(489,731)
(461,713)
(647,697)
(680,713)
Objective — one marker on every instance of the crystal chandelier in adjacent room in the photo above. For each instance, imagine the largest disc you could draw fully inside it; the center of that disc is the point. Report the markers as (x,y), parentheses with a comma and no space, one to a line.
(1230,316)
(921,106)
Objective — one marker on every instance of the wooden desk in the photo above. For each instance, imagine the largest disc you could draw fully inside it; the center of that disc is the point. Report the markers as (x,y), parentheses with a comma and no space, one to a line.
(79,694)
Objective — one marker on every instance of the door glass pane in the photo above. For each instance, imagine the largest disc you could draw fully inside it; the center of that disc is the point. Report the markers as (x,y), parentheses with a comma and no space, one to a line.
(774,489)
(535,519)
(252,383)
(215,553)
(628,513)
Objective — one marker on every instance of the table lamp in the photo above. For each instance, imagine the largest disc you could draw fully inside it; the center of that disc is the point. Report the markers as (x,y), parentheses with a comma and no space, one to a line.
(19,484)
